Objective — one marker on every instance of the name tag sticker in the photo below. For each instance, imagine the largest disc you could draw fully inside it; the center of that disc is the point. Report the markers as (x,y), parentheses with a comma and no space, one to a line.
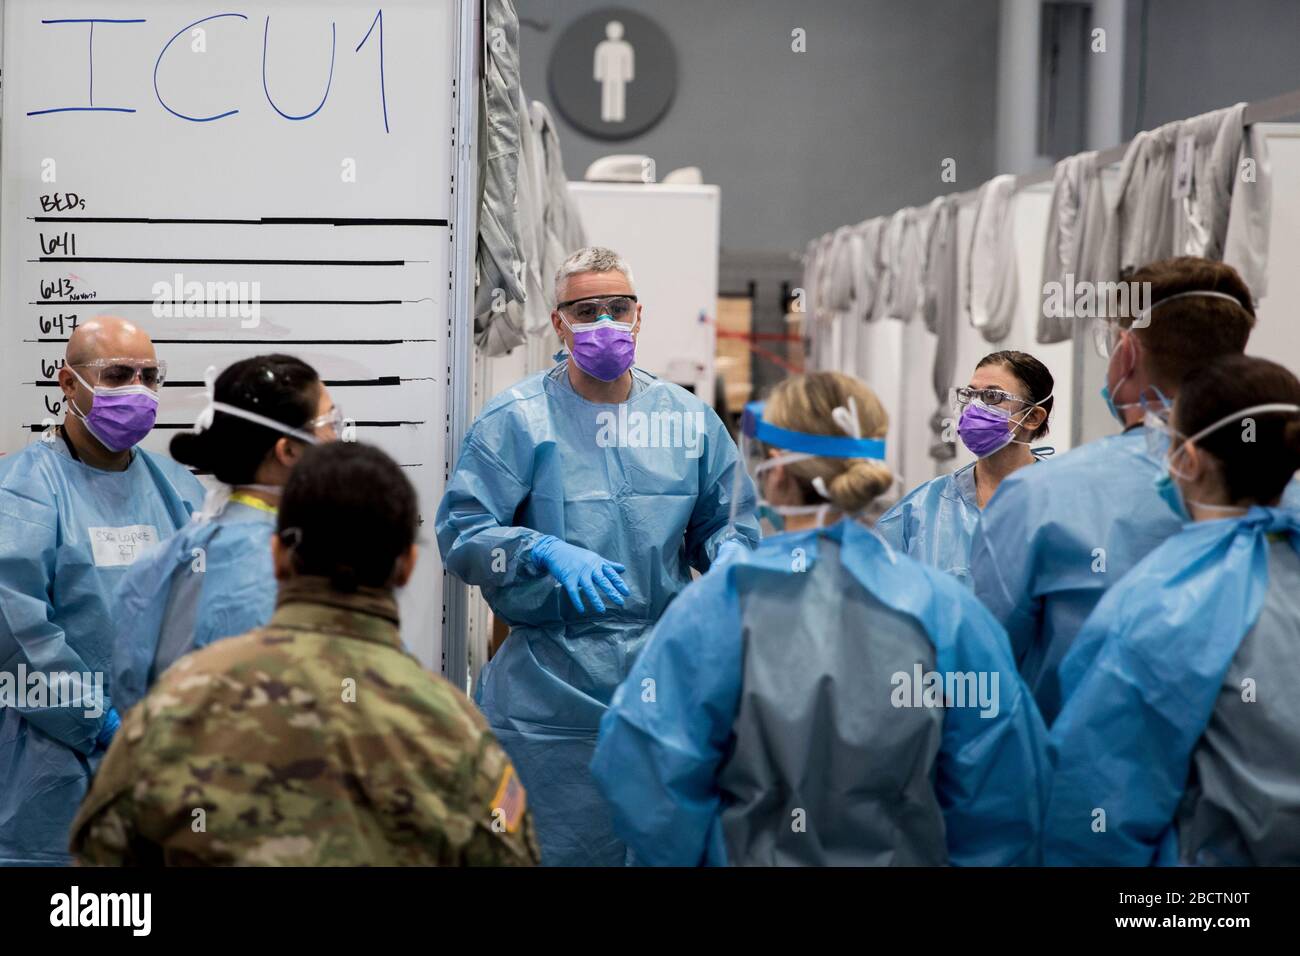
(119,547)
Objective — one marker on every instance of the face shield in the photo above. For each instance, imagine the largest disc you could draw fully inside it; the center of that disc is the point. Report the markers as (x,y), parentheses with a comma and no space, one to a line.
(759,438)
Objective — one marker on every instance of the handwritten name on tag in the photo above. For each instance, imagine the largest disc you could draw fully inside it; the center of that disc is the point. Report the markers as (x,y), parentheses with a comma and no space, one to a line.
(119,547)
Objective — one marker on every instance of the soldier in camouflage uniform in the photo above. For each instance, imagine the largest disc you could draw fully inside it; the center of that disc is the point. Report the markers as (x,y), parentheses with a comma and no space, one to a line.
(316,740)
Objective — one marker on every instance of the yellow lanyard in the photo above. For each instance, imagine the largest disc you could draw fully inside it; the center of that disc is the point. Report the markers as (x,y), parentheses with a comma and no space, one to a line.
(258,503)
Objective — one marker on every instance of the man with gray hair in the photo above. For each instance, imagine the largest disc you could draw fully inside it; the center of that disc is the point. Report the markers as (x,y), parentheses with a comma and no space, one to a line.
(582,499)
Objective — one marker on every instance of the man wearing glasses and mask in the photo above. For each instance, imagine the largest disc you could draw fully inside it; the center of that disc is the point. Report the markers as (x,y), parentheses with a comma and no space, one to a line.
(76,509)
(582,499)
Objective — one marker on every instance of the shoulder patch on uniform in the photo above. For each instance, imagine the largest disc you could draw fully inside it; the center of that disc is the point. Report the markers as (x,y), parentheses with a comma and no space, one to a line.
(510,801)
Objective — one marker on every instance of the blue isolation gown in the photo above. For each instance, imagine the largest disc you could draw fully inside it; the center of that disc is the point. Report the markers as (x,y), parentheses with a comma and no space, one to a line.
(648,484)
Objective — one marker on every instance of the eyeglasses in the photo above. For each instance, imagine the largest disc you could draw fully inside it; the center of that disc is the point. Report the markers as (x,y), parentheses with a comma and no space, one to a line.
(989,396)
(333,418)
(618,307)
(117,372)
(1105,336)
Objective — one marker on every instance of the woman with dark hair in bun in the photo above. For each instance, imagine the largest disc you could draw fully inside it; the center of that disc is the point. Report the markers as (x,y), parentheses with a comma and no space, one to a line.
(214,578)
(1178,736)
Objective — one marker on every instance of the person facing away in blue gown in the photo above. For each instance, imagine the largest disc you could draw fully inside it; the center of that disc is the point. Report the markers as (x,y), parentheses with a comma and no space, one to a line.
(214,578)
(1178,737)
(1003,411)
(1057,535)
(583,498)
(824,699)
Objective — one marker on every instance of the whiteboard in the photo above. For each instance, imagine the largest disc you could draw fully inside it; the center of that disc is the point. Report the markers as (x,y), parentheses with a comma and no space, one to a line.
(281,178)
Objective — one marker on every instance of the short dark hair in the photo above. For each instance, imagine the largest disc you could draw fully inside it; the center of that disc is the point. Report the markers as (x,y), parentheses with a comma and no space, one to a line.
(1033,375)
(1255,470)
(279,387)
(1185,334)
(348,513)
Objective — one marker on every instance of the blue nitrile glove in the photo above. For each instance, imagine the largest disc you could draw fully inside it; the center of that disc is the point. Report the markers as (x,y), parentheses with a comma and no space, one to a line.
(581,572)
(112,721)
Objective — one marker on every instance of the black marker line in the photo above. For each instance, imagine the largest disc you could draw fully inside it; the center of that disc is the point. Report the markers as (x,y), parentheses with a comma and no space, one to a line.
(189,425)
(64,340)
(263,221)
(383,380)
(225,262)
(227,303)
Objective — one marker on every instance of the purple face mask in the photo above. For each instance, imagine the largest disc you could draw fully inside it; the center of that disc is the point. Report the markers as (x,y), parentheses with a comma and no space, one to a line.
(603,349)
(984,429)
(119,418)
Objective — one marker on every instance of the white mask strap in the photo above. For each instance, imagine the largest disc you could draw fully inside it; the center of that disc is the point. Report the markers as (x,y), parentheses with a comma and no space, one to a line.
(204,420)
(1200,293)
(1245,412)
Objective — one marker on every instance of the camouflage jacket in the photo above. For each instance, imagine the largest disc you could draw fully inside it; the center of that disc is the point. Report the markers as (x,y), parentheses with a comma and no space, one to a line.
(314,741)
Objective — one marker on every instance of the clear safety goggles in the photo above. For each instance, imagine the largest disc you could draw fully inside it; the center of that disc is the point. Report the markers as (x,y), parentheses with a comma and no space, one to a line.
(621,309)
(119,372)
(1105,336)
(1107,331)
(964,395)
(1161,436)
(333,419)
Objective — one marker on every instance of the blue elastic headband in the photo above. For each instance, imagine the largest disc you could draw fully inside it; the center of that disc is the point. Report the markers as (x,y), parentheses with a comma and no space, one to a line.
(823,446)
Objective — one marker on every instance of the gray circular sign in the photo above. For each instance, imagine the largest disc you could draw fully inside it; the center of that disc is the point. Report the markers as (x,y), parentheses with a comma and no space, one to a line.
(613,73)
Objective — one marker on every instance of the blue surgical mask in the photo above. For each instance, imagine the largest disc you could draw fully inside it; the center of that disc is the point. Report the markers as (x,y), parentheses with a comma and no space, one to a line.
(1169,493)
(1108,396)
(772,516)
(1110,404)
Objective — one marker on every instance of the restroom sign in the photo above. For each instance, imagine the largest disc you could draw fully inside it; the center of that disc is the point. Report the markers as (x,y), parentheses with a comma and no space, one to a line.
(613,73)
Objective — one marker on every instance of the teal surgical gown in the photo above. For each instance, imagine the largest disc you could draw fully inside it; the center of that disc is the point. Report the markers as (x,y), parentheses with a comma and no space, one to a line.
(776,716)
(649,484)
(209,581)
(68,534)
(1178,737)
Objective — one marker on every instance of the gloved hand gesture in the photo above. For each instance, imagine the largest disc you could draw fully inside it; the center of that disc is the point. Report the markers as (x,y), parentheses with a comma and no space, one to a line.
(581,572)
(112,721)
